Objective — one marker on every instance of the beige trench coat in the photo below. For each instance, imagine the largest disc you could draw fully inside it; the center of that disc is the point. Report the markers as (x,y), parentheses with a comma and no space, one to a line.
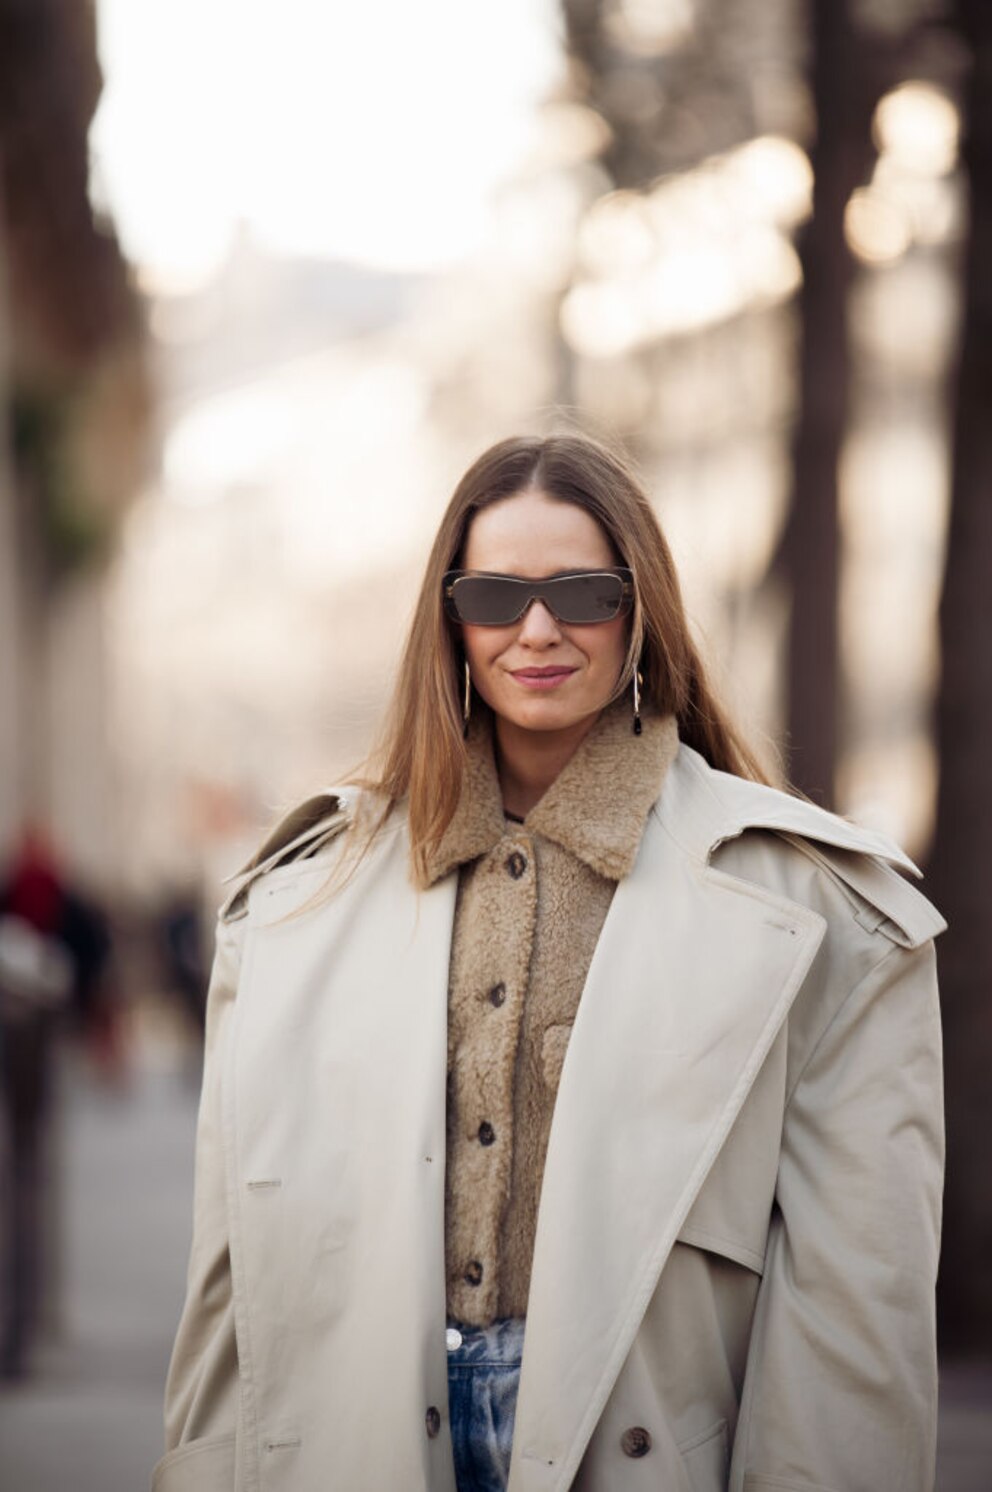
(739,1225)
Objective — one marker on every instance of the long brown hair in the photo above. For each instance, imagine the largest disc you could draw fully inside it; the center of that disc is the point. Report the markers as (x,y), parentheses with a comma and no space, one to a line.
(421,752)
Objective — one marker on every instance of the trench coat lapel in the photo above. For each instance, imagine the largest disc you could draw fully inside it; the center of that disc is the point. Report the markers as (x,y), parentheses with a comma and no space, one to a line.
(349,1006)
(692,977)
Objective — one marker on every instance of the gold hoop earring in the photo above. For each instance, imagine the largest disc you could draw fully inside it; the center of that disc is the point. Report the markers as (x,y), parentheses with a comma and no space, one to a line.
(467,701)
(638,680)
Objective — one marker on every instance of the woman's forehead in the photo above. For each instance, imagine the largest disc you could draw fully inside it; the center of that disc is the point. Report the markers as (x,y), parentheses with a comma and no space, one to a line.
(534,534)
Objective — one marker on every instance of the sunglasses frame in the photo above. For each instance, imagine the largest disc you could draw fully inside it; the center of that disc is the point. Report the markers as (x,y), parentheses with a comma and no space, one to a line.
(532,592)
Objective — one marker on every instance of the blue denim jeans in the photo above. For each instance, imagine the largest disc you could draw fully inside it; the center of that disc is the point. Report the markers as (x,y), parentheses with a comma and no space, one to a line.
(483,1374)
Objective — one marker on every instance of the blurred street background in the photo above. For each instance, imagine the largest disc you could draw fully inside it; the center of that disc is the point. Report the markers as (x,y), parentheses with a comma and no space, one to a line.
(270,278)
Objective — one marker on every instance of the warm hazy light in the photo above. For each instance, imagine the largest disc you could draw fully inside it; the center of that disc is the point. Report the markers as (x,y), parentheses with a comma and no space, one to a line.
(568,134)
(616,235)
(913,196)
(876,229)
(600,320)
(376,132)
(692,252)
(651,27)
(777,177)
(918,126)
(235,438)
(906,320)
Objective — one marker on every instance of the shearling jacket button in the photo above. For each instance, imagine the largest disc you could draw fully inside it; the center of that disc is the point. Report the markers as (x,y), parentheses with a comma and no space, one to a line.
(516,864)
(635,1442)
(432,1420)
(497,994)
(486,1133)
(473,1272)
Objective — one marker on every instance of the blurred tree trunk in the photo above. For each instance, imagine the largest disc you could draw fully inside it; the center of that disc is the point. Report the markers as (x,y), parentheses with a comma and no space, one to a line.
(962,881)
(810,554)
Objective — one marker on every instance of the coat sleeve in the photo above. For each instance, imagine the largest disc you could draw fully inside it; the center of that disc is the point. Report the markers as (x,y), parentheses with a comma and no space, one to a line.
(201,1396)
(840,1389)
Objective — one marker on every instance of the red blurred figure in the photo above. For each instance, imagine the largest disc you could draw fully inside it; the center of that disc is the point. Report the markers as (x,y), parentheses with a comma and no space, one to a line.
(54,946)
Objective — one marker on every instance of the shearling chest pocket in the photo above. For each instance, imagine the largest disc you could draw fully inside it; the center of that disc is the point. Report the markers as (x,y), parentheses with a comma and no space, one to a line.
(554,1045)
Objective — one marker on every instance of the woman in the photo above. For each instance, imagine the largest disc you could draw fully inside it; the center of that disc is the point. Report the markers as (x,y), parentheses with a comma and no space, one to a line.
(564,1020)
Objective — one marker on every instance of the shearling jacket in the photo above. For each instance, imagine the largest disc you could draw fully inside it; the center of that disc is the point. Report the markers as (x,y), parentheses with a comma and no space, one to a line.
(733,1273)
(532,898)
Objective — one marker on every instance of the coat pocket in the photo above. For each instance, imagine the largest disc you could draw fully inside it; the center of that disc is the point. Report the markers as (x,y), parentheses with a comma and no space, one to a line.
(198,1466)
(705,1458)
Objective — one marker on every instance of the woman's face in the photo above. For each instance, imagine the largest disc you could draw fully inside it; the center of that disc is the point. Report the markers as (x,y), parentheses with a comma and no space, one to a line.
(539,674)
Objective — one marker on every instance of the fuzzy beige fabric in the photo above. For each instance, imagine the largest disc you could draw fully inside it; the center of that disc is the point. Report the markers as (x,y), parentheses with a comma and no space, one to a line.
(532,899)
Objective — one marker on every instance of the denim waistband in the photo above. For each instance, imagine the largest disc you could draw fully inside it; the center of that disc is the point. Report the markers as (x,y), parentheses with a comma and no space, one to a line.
(498,1345)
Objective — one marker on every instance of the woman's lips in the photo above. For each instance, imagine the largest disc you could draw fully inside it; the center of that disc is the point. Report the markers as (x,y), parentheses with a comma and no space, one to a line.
(541,678)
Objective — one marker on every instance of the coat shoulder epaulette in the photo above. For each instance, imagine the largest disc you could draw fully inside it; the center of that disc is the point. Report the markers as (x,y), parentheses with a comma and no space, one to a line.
(862,861)
(298,835)
(881,899)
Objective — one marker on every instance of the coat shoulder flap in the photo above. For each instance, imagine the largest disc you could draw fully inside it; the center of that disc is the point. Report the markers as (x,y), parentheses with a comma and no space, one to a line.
(881,899)
(861,861)
(298,835)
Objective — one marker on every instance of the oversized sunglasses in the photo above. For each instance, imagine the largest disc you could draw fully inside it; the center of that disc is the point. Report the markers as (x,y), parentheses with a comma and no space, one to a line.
(579,597)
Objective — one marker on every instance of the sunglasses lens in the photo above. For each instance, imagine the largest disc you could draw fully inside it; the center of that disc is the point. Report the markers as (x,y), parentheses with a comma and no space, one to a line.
(585,598)
(488,600)
(498,601)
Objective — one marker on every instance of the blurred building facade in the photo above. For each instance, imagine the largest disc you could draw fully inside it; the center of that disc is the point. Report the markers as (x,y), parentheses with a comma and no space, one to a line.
(313,420)
(75,406)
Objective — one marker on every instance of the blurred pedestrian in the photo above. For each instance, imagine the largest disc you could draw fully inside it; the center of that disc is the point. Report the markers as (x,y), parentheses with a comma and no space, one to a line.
(571,1111)
(180,946)
(54,950)
(36,981)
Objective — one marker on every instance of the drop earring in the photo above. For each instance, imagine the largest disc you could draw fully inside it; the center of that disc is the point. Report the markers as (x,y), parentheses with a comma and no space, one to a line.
(638,680)
(467,701)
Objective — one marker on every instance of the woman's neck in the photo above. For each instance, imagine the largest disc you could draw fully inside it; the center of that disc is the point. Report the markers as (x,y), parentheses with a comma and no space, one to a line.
(528,761)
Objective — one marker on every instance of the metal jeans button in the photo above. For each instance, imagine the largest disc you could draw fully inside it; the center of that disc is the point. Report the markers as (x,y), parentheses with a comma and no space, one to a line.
(452,1339)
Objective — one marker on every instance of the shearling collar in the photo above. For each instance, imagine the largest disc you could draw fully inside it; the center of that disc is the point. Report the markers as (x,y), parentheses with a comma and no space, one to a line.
(595,808)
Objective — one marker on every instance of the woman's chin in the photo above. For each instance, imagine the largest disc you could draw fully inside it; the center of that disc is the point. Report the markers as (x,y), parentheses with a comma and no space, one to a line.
(546,715)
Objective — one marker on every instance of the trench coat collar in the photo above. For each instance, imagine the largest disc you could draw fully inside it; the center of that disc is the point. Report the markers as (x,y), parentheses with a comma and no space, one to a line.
(595,808)
(708,807)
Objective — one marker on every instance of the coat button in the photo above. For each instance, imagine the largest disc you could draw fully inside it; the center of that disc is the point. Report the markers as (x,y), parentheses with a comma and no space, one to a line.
(432,1420)
(486,1133)
(635,1442)
(516,864)
(473,1273)
(497,994)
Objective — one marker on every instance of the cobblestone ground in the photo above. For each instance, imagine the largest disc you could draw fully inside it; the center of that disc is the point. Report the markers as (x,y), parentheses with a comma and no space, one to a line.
(89,1419)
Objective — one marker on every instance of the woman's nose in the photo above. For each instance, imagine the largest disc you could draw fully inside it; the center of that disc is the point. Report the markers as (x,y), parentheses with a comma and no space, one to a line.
(538,626)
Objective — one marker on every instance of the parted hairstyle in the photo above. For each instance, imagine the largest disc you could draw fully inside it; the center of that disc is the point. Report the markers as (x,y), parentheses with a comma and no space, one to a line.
(421,754)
